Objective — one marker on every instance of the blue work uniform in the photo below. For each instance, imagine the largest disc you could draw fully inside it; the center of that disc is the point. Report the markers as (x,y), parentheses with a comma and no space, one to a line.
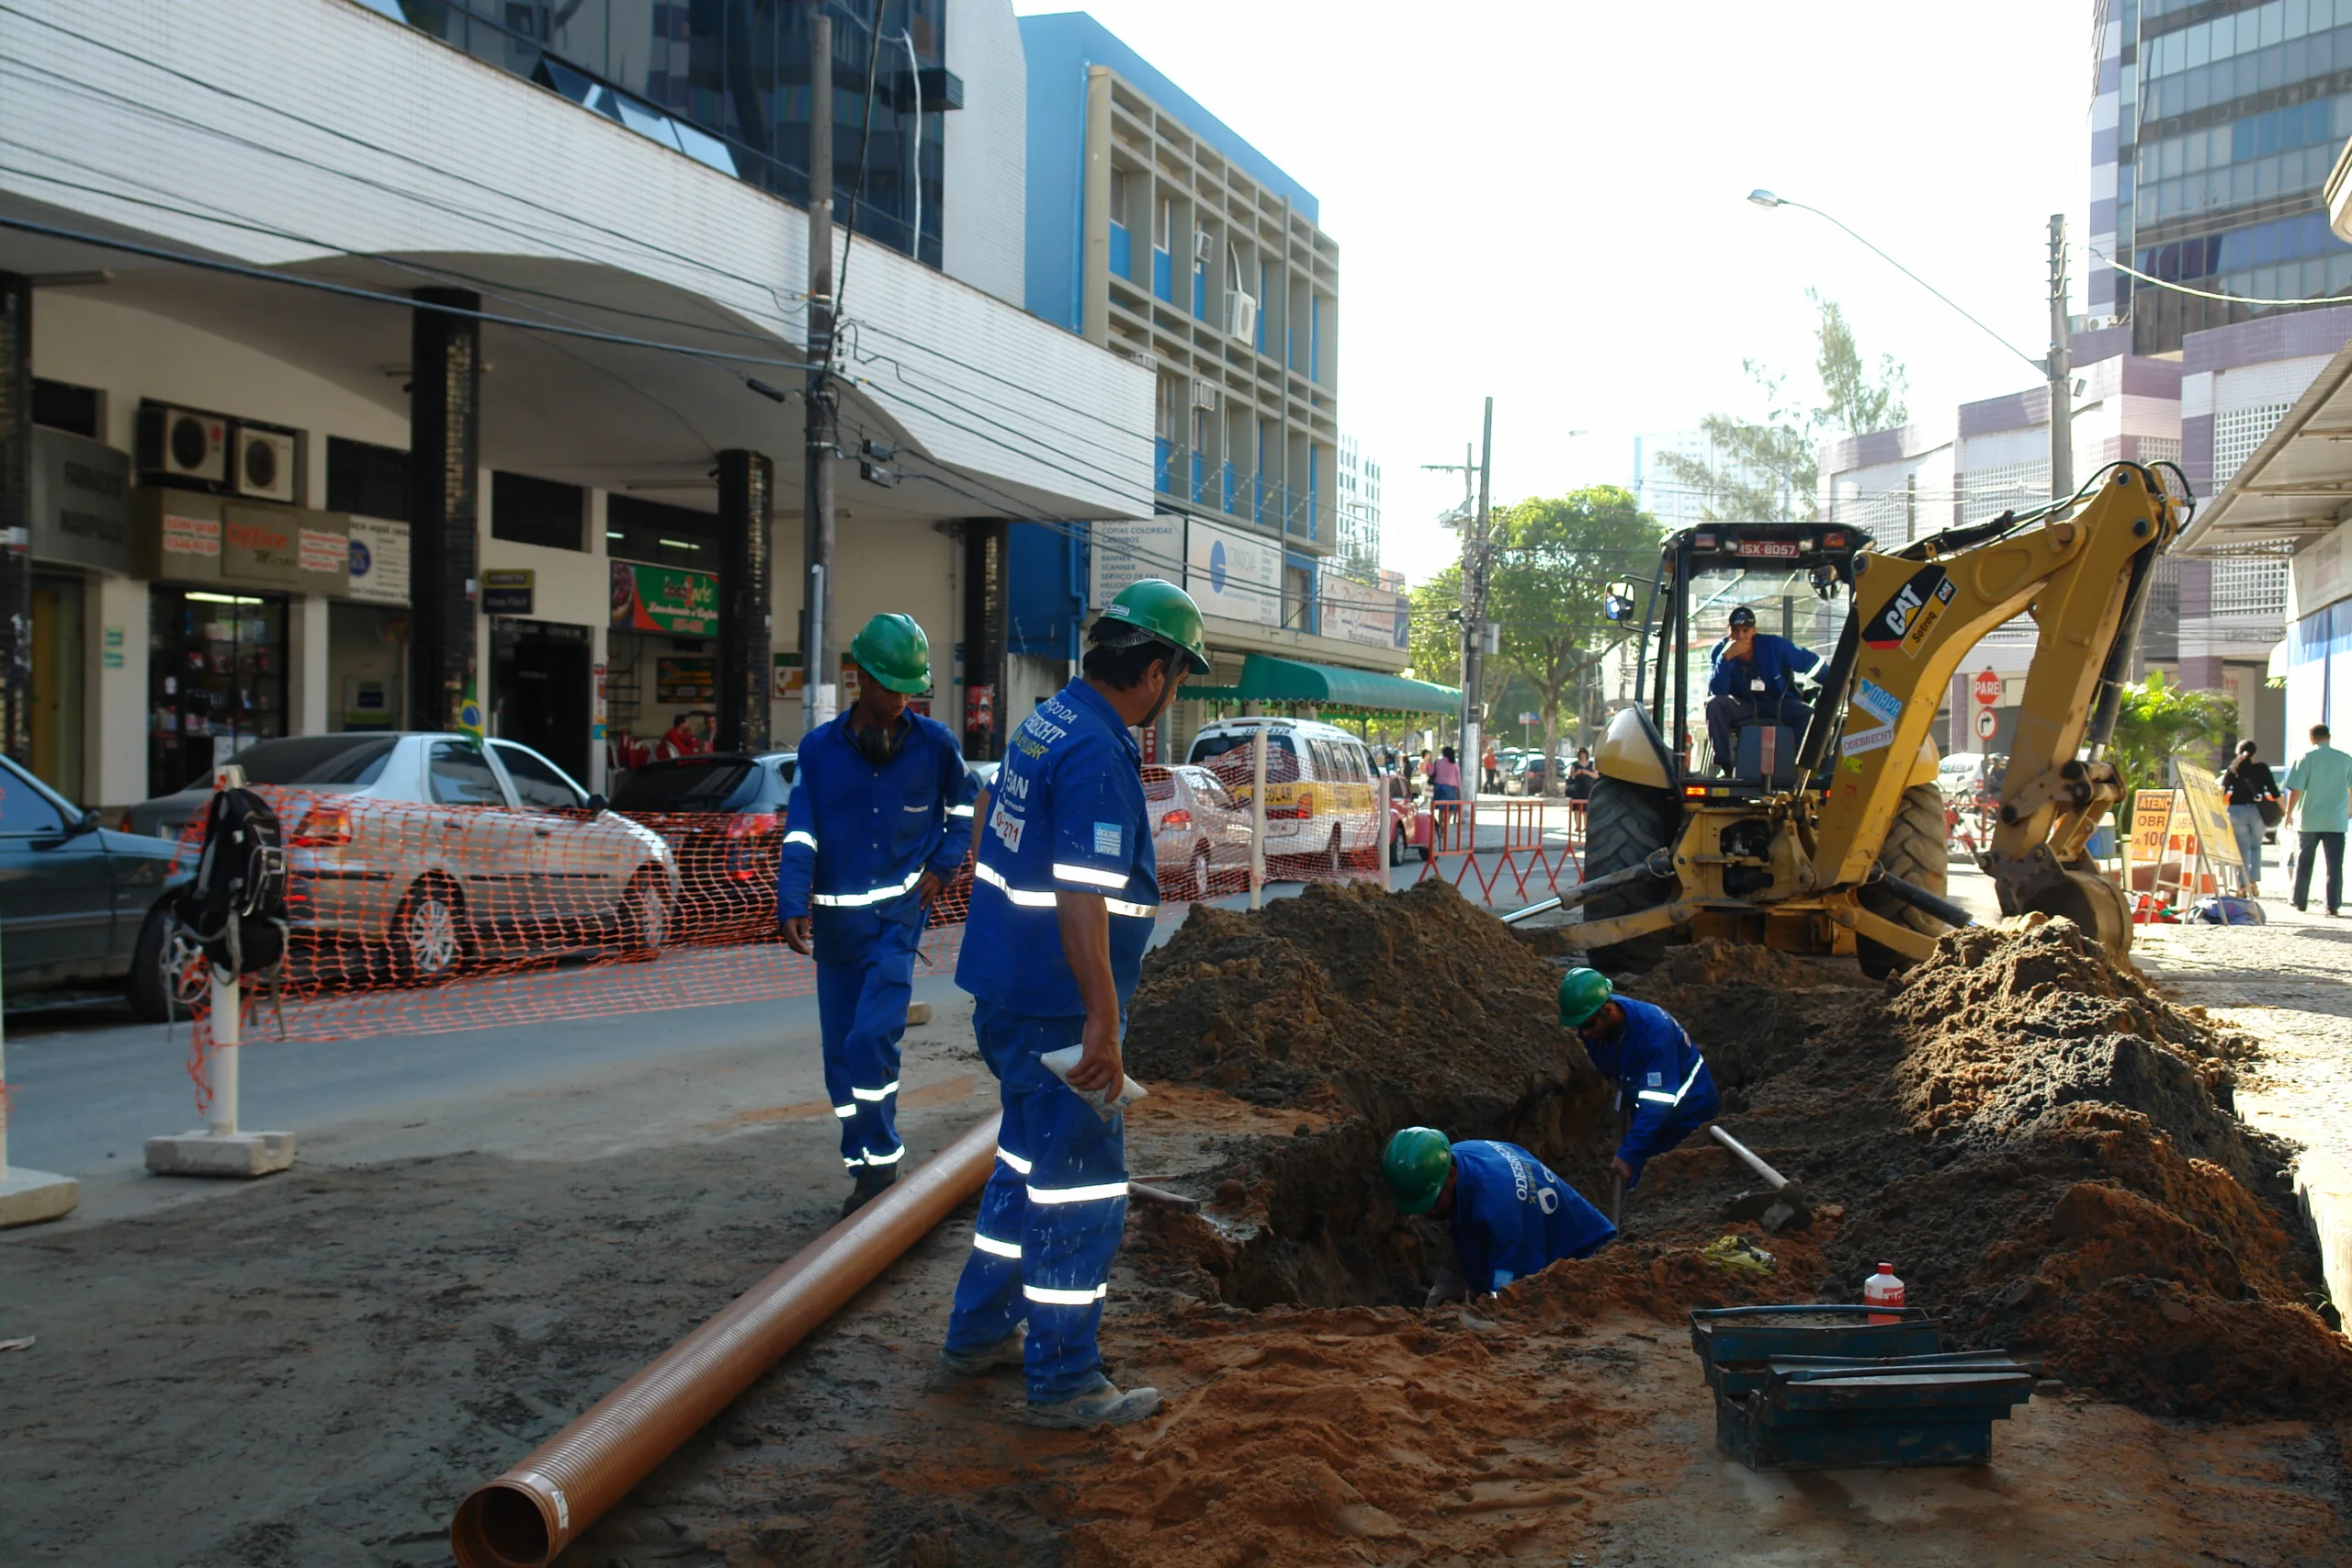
(1661,1073)
(1513,1216)
(1066,813)
(857,838)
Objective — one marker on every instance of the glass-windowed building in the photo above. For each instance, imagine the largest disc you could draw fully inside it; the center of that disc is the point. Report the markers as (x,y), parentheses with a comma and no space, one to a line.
(2212,136)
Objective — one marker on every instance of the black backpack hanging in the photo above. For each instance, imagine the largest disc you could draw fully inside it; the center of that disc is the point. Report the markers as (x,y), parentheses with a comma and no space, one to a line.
(236,904)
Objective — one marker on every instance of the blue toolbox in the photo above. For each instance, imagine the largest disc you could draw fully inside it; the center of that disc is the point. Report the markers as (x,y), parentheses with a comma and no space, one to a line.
(1824,1388)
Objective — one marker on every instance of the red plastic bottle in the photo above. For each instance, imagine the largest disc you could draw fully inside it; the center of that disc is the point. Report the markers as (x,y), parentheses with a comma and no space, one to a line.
(1883,1290)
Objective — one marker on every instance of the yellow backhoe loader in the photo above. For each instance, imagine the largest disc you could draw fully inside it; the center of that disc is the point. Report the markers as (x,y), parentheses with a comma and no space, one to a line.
(1834,841)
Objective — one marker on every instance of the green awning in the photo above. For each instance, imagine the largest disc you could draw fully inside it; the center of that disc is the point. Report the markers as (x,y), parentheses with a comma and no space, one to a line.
(1265,679)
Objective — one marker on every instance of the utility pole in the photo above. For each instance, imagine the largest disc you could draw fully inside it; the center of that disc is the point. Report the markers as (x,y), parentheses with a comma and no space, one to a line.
(2062,369)
(1468,469)
(819,676)
(1474,652)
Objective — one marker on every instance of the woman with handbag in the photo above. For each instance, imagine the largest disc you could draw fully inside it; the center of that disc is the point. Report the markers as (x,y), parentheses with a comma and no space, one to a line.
(2254,806)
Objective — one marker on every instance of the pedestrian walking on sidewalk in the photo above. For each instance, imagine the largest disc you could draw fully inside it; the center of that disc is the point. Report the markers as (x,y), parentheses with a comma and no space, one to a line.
(2319,799)
(875,830)
(1509,1215)
(2254,806)
(1650,1058)
(1063,896)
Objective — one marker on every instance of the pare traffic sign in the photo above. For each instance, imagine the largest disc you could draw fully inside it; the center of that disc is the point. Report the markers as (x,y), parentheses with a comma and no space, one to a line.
(1988,689)
(1986,722)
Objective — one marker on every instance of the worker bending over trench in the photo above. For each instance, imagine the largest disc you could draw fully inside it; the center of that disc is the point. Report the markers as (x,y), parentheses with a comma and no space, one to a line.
(1649,1056)
(1510,1213)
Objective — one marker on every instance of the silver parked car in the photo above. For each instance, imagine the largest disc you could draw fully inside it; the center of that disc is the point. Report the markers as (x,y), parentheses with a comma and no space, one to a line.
(437,849)
(1197,828)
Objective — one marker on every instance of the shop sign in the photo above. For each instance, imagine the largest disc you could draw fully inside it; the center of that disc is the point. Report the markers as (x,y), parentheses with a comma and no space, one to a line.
(190,545)
(112,654)
(1353,612)
(664,599)
(284,546)
(1125,552)
(1233,575)
(691,678)
(508,590)
(81,502)
(378,560)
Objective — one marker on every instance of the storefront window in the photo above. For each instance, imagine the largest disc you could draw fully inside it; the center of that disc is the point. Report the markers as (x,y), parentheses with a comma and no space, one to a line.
(216,680)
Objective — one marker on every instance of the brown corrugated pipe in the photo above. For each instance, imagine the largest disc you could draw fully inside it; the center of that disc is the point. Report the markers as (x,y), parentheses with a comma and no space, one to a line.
(527,1516)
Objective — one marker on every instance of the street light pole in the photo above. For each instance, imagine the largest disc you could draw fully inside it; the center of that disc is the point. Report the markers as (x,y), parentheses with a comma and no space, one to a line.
(2062,373)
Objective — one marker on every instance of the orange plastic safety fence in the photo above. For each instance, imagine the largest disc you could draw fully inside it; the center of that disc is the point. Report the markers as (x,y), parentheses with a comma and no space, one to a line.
(1507,854)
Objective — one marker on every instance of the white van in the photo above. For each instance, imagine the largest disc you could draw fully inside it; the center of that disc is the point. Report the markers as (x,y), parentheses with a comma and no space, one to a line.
(1319,795)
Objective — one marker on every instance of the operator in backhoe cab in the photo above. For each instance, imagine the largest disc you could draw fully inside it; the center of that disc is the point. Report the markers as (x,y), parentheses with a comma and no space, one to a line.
(1511,1215)
(1755,677)
(1649,1057)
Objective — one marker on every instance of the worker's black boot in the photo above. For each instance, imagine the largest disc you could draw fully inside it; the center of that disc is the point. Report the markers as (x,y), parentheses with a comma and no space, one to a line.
(871,1181)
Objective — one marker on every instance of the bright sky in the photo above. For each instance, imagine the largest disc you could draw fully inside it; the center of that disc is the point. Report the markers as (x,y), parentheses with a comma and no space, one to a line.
(1544,201)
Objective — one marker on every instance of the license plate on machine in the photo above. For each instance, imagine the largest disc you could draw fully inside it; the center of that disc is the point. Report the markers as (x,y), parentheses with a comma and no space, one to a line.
(1768,548)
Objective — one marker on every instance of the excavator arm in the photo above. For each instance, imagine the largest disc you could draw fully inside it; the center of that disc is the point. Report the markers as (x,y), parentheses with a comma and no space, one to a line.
(1916,614)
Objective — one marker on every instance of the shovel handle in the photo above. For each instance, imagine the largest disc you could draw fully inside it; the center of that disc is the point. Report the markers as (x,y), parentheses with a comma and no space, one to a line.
(1616,1198)
(1749,1157)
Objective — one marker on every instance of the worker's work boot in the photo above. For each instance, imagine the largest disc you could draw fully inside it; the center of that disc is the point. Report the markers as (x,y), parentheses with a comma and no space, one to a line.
(1006,1352)
(1101,1405)
(872,1180)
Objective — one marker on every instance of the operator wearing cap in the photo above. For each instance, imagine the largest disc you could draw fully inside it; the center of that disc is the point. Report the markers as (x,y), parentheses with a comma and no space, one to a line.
(1511,1215)
(1755,677)
(1063,896)
(1649,1057)
(867,846)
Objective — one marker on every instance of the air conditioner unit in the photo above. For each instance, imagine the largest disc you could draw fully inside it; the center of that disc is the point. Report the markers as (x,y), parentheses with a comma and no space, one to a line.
(1203,246)
(1241,316)
(182,444)
(264,468)
(1204,394)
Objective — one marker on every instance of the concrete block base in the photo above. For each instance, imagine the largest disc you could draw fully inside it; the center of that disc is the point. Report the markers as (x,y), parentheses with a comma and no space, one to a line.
(28,1197)
(202,1154)
(918,1014)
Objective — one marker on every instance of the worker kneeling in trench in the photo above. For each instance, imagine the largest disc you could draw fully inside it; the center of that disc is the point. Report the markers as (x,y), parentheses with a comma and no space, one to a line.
(1649,1057)
(1510,1213)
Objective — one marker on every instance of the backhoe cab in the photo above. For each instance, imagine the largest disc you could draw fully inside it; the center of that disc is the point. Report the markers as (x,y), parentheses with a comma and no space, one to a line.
(1832,841)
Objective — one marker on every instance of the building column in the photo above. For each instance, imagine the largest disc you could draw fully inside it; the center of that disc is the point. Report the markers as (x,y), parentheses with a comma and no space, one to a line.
(310,702)
(444,503)
(746,498)
(986,584)
(118,613)
(17,516)
(1094,213)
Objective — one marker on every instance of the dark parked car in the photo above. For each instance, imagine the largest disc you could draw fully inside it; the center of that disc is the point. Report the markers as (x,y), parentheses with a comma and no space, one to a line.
(722,814)
(82,905)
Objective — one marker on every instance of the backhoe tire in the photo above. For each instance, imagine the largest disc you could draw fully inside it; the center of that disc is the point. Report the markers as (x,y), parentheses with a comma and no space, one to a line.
(1918,851)
(1624,825)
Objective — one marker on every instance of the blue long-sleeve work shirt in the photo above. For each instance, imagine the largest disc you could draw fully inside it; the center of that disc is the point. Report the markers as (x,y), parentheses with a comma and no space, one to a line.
(1775,660)
(1661,1074)
(1512,1215)
(857,838)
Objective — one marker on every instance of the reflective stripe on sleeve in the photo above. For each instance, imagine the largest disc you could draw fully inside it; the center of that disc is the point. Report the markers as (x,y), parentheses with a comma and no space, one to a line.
(1660,1097)
(845,1111)
(1086,875)
(994,1247)
(959,811)
(1020,896)
(884,1092)
(1117,907)
(872,896)
(1094,1194)
(1020,1167)
(801,835)
(1044,1297)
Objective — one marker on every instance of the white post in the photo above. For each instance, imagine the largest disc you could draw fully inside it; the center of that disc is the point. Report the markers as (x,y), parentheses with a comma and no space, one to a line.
(28,1197)
(1257,818)
(228,1033)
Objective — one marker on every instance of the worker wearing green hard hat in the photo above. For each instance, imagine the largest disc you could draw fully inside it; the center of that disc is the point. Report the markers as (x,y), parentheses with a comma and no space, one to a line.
(1510,1213)
(892,650)
(1659,1072)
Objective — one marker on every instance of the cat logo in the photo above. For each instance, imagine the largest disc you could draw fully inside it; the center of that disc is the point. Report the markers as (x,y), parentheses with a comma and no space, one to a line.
(1913,613)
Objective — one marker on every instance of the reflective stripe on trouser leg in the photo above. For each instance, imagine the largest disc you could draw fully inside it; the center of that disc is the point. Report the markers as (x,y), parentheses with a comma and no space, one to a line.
(863,1006)
(989,1304)
(1067,1247)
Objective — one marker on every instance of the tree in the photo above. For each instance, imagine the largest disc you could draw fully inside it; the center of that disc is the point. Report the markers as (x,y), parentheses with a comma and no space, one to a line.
(1769,470)
(1435,641)
(1552,561)
(2156,722)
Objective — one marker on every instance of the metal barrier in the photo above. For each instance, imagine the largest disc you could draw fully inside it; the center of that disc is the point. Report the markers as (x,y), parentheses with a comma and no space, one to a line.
(1528,849)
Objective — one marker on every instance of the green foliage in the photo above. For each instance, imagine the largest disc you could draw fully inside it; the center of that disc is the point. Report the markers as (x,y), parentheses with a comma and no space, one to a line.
(1435,643)
(1769,470)
(2159,721)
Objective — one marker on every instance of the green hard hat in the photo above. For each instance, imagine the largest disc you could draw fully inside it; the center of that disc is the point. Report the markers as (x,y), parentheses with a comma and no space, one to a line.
(893,650)
(1583,992)
(1158,609)
(1416,1165)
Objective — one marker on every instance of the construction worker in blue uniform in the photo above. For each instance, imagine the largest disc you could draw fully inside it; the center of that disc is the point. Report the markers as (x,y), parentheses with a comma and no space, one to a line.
(1510,1213)
(1063,895)
(875,830)
(1650,1058)
(1754,675)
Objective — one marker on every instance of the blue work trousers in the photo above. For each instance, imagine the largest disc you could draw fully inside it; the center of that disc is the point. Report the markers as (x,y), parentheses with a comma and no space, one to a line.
(1051,1215)
(862,1010)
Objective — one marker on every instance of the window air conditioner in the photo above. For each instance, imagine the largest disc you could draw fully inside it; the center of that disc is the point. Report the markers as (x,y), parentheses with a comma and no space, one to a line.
(1203,247)
(182,444)
(1204,394)
(1240,317)
(265,465)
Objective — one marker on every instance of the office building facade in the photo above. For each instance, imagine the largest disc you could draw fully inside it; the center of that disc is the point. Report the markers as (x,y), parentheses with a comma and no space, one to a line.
(1359,513)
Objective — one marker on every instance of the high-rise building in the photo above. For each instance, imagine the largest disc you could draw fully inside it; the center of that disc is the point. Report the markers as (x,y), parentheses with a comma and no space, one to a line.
(2211,137)
(1359,519)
